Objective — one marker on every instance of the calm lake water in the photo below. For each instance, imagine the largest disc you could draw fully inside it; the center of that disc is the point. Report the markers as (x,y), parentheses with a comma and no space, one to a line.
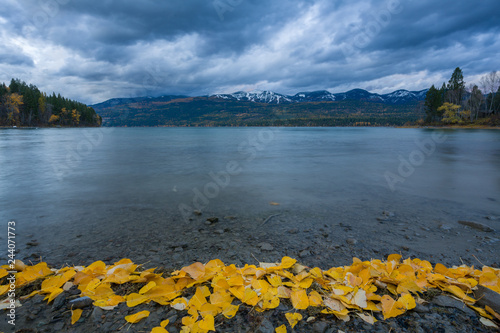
(77,175)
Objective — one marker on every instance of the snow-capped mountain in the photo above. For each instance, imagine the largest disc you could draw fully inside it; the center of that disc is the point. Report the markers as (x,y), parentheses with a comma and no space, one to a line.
(269,97)
(314,96)
(258,96)
(404,96)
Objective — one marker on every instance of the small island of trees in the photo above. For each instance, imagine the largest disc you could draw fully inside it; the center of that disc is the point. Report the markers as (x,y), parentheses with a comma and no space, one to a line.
(454,104)
(24,105)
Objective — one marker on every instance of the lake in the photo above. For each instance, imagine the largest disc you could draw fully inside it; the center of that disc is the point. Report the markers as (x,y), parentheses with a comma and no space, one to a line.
(87,178)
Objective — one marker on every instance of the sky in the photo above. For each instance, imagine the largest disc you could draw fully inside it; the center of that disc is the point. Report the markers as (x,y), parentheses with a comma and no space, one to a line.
(95,50)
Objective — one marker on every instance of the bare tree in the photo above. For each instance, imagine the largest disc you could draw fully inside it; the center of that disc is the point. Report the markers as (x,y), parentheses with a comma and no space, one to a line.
(490,83)
(475,101)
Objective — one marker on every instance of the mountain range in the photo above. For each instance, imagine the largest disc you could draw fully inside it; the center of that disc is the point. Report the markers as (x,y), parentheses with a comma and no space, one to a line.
(263,96)
(266,108)
(269,97)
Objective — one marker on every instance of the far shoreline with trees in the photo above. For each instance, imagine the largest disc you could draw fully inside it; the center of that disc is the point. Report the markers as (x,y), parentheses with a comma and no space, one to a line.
(23,105)
(454,105)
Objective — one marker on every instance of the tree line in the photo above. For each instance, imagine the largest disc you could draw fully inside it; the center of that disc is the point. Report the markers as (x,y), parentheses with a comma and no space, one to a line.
(25,105)
(454,103)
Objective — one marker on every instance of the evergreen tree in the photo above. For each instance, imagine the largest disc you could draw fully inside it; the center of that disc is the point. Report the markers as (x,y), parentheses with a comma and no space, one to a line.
(433,100)
(456,87)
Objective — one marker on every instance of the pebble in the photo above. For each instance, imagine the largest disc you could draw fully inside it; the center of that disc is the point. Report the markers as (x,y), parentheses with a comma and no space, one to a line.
(421,308)
(197,212)
(80,302)
(319,327)
(293,231)
(58,326)
(265,327)
(477,226)
(389,214)
(266,246)
(304,253)
(219,231)
(213,220)
(449,302)
(351,241)
(59,301)
(97,314)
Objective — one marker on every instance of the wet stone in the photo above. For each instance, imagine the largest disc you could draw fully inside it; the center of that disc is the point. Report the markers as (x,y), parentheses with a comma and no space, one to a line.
(266,246)
(351,241)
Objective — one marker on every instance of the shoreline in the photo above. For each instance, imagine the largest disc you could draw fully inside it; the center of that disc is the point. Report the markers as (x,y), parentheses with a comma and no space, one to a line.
(388,126)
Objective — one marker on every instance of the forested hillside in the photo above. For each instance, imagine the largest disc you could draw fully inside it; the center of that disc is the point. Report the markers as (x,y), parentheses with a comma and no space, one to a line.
(210,111)
(25,105)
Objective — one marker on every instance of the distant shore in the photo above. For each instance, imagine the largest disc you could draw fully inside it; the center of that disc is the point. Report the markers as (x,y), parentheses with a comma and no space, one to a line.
(452,127)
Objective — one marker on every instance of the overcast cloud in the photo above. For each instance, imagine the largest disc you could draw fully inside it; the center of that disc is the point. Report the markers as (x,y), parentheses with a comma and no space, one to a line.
(99,49)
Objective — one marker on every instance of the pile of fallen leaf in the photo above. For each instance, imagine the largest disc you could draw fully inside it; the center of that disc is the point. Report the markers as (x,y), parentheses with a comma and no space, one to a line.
(391,287)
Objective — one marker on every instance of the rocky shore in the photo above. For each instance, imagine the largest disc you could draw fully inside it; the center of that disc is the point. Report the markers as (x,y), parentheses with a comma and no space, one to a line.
(316,238)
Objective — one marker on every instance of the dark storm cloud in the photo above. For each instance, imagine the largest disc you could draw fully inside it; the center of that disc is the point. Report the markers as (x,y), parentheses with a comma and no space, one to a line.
(111,48)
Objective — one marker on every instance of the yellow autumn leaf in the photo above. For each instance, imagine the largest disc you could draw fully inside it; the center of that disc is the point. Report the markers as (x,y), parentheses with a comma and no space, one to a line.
(137,317)
(280,329)
(147,287)
(229,310)
(55,292)
(359,298)
(196,270)
(391,308)
(3,289)
(75,315)
(408,301)
(180,303)
(367,318)
(492,312)
(272,203)
(481,311)
(287,262)
(159,330)
(293,318)
(207,323)
(135,299)
(459,293)
(197,300)
(299,298)
(250,297)
(315,298)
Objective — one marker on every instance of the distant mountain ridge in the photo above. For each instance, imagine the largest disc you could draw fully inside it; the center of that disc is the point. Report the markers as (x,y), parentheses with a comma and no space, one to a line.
(269,97)
(266,108)
(263,96)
